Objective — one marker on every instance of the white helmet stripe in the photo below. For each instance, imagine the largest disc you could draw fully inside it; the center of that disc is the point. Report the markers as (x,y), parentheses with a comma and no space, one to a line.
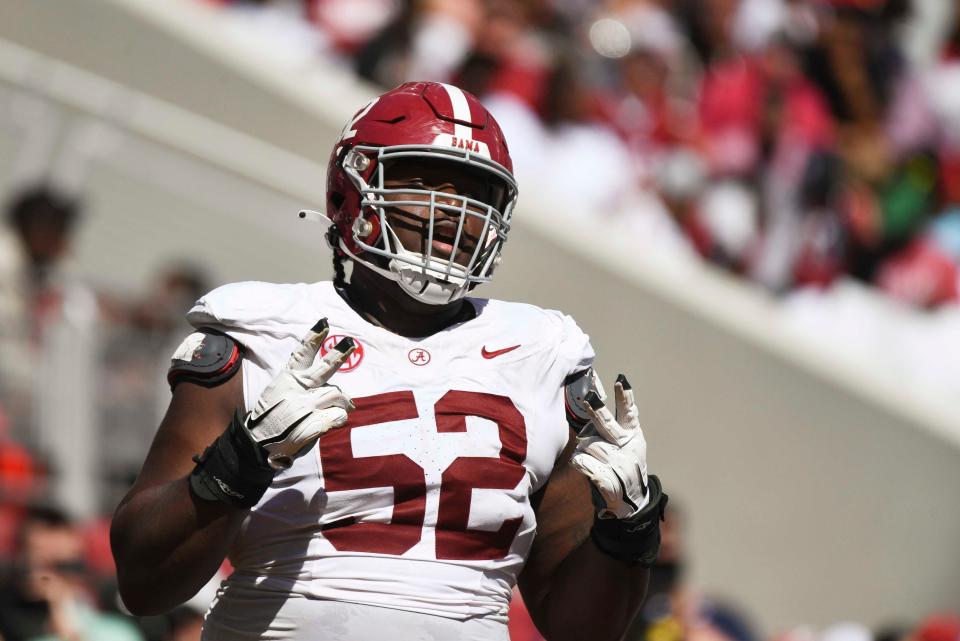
(461,111)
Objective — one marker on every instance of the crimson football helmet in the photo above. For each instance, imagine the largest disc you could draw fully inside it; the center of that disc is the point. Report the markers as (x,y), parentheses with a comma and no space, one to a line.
(422,122)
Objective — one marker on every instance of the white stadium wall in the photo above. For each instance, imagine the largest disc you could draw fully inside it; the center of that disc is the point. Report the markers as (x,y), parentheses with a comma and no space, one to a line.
(813,492)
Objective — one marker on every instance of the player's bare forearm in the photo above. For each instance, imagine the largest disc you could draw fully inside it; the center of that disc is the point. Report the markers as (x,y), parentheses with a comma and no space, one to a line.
(591,596)
(573,590)
(167,545)
(166,542)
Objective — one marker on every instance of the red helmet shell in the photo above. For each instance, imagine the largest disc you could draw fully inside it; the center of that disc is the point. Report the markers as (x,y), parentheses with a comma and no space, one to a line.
(424,114)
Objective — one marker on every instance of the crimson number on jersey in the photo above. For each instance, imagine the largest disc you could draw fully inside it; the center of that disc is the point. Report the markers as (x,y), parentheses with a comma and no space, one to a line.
(454,540)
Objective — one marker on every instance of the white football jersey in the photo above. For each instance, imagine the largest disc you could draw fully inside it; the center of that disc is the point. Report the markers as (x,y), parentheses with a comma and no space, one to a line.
(420,503)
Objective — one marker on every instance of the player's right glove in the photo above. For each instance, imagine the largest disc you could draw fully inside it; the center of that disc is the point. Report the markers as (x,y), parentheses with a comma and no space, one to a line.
(629,502)
(294,410)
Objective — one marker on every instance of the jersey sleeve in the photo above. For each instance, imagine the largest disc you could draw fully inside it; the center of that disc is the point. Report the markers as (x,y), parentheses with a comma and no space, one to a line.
(235,311)
(214,312)
(202,314)
(248,312)
(573,352)
(266,319)
(227,309)
(210,355)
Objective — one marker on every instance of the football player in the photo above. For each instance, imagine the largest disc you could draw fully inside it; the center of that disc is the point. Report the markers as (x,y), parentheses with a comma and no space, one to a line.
(384,455)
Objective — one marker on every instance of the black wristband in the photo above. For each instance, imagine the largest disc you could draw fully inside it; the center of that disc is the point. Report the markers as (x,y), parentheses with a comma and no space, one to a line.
(637,539)
(233,470)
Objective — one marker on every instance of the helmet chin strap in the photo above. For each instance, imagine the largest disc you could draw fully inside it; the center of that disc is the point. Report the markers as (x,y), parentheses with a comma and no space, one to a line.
(420,286)
(424,287)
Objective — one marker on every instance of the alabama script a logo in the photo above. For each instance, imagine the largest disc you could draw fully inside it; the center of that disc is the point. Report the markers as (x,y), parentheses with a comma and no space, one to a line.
(418,356)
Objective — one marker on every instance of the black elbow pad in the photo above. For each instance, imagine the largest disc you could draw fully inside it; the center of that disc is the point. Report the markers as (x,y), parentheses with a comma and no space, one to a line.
(575,390)
(206,357)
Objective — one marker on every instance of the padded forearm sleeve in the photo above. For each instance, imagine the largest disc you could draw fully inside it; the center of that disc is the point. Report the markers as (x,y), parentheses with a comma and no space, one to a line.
(233,470)
(634,540)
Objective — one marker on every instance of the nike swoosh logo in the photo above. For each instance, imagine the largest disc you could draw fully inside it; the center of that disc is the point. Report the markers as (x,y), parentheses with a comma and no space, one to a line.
(497,352)
(252,423)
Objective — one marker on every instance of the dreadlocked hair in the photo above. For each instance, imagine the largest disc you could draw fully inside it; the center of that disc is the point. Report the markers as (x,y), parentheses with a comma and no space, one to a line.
(339,273)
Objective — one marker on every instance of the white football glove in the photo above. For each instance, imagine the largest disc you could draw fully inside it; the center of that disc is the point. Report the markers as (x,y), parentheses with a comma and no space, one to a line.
(615,459)
(298,406)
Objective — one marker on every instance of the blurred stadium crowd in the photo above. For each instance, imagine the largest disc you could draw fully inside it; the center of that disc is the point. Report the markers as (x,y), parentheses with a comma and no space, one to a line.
(56,570)
(792,142)
(810,147)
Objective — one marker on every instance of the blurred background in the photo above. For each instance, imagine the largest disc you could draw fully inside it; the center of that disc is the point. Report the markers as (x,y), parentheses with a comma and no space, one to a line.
(752,206)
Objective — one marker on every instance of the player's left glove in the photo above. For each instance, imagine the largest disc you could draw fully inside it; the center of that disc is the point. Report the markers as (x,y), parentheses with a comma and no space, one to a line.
(629,502)
(293,411)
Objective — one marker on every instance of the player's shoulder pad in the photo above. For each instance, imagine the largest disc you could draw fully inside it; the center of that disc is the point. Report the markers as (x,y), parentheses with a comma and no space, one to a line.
(545,327)
(206,357)
(253,305)
(575,389)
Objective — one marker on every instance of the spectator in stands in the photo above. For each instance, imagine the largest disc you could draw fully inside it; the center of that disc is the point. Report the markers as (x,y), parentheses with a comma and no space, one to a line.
(650,107)
(35,238)
(39,224)
(44,220)
(857,61)
(51,596)
(53,321)
(425,41)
